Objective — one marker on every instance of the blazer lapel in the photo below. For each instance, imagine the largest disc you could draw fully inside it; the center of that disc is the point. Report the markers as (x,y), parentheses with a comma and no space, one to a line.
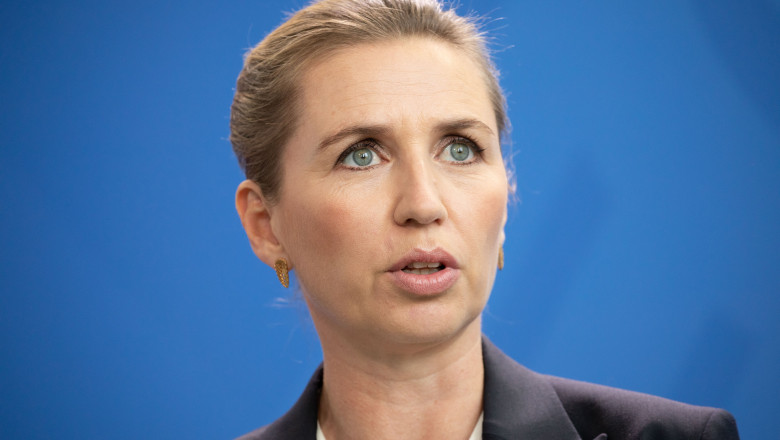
(300,422)
(520,404)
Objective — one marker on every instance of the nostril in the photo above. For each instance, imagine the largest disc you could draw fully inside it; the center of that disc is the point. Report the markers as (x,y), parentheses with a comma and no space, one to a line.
(419,199)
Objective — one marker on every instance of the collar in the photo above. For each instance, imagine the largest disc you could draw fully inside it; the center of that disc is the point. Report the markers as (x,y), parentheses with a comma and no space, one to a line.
(518,404)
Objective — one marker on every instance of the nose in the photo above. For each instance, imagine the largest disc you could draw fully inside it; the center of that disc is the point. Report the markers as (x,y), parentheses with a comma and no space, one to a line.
(419,200)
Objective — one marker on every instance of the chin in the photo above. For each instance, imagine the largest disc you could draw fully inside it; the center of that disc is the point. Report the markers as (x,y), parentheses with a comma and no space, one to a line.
(431,327)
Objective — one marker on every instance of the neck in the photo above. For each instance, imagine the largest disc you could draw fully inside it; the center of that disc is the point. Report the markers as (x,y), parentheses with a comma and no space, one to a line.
(430,391)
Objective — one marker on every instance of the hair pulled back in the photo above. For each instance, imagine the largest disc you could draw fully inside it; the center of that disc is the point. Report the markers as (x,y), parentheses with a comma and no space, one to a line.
(265,110)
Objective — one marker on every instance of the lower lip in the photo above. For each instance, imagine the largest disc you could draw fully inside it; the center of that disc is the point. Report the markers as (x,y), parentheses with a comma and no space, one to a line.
(426,285)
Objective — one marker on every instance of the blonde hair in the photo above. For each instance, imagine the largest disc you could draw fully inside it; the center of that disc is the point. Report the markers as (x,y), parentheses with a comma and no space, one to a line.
(265,112)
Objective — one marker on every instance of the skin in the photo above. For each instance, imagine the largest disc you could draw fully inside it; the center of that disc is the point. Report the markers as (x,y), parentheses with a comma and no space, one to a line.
(397,365)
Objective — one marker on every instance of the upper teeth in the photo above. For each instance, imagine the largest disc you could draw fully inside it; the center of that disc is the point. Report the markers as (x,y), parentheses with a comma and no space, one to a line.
(419,265)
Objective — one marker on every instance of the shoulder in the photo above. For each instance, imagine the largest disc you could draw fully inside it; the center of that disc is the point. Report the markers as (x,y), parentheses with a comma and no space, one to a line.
(595,409)
(257,434)
(520,403)
(300,422)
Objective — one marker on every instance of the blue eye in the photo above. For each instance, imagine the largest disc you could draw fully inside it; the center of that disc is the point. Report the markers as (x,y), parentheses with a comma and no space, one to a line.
(459,152)
(360,158)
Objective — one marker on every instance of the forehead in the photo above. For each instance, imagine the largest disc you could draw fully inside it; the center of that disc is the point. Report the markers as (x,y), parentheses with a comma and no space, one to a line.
(411,80)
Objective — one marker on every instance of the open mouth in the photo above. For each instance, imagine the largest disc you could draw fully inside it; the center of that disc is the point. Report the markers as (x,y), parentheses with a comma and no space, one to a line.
(418,268)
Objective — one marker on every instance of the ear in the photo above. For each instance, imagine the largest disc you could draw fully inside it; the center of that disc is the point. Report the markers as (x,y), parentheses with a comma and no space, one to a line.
(255,215)
(502,236)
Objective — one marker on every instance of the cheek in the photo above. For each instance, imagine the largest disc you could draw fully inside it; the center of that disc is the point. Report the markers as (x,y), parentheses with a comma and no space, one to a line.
(482,210)
(488,221)
(325,233)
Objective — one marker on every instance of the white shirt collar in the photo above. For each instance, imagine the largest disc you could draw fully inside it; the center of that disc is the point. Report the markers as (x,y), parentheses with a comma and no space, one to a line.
(475,435)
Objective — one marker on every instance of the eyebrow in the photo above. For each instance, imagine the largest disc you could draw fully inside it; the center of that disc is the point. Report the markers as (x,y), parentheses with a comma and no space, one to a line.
(372,131)
(362,131)
(463,124)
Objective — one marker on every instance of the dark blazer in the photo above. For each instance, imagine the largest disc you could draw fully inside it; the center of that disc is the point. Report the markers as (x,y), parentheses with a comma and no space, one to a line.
(521,404)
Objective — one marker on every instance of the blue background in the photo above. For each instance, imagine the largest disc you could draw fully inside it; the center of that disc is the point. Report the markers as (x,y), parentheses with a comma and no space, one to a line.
(642,251)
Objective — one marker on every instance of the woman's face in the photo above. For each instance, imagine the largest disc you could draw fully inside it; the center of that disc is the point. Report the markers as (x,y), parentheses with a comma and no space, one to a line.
(394,192)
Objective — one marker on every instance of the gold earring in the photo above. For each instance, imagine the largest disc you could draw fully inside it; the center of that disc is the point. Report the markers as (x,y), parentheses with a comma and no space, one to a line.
(501,258)
(282,271)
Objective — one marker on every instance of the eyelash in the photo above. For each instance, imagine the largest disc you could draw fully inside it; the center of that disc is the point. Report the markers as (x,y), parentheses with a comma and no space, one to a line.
(365,143)
(478,151)
(374,145)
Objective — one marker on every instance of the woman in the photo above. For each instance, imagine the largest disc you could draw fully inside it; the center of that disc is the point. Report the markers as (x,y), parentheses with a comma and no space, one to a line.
(370,135)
